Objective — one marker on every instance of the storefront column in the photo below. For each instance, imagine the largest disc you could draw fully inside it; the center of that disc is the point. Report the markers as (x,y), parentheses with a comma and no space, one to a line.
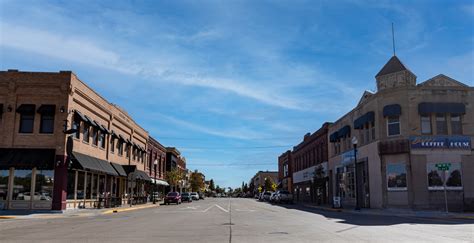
(98,185)
(75,187)
(33,186)
(10,187)
(85,188)
(92,186)
(60,183)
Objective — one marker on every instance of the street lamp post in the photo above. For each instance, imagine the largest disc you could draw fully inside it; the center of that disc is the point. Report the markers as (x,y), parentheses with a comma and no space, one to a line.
(155,163)
(354,143)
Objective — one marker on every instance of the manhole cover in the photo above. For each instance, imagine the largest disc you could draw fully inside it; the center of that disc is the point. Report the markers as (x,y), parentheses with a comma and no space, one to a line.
(278,233)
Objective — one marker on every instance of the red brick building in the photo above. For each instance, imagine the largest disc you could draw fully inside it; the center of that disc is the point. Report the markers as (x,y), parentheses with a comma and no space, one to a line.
(285,171)
(308,156)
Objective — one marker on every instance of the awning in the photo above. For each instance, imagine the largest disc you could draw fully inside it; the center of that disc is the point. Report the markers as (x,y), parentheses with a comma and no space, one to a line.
(122,138)
(119,169)
(392,110)
(159,182)
(135,174)
(26,109)
(113,134)
(27,158)
(453,108)
(104,129)
(83,118)
(334,137)
(344,132)
(89,120)
(368,117)
(47,109)
(87,162)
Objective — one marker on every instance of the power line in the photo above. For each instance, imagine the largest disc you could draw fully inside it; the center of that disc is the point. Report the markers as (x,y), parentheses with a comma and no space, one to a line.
(239,147)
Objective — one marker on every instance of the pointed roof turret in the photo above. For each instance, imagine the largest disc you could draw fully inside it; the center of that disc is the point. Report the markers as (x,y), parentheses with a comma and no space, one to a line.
(392,66)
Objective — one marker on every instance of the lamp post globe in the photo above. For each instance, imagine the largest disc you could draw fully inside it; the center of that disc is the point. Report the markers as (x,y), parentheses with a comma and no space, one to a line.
(155,163)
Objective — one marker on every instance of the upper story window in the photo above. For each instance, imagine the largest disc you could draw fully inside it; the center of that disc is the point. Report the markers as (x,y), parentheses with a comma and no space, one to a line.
(426,124)
(393,125)
(76,124)
(47,118)
(456,124)
(112,144)
(85,132)
(95,136)
(102,139)
(373,130)
(120,147)
(27,118)
(127,150)
(441,124)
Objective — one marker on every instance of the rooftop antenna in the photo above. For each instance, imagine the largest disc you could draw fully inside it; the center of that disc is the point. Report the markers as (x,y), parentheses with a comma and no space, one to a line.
(393,40)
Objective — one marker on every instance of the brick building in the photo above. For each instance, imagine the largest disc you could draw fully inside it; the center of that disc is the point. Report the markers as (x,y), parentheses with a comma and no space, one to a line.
(156,165)
(174,160)
(258,180)
(403,130)
(285,171)
(62,145)
(308,156)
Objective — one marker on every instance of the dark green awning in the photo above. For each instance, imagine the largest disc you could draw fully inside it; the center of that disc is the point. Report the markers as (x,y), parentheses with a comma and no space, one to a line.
(27,109)
(453,108)
(135,174)
(87,162)
(27,158)
(368,117)
(392,110)
(119,169)
(47,109)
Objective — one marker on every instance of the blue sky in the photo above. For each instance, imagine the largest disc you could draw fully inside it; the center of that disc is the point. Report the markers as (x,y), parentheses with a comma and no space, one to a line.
(233,84)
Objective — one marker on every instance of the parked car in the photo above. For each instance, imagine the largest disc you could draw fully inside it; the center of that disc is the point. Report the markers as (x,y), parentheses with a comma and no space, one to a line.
(186,197)
(272,197)
(201,196)
(283,196)
(266,196)
(173,197)
(195,196)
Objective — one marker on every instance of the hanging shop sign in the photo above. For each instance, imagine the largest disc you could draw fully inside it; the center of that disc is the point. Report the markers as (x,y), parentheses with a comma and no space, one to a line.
(441,142)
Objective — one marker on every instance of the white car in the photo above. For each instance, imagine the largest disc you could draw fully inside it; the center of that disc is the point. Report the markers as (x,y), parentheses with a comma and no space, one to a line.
(195,196)
(273,197)
(283,196)
(266,196)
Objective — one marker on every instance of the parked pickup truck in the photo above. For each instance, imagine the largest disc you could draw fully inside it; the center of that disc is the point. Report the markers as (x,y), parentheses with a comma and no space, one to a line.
(283,196)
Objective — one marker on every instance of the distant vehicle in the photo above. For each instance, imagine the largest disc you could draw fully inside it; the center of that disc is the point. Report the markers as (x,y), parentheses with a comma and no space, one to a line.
(195,196)
(260,196)
(283,196)
(266,196)
(173,197)
(186,197)
(256,196)
(219,195)
(201,195)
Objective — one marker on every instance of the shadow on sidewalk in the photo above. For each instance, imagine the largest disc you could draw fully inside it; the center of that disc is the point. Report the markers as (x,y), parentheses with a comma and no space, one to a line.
(362,218)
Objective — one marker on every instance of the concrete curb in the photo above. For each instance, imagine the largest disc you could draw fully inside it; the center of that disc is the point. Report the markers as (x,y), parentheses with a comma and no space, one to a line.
(119,210)
(363,212)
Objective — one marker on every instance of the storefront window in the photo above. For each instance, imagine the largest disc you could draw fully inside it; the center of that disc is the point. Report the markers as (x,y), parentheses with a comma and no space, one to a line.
(436,177)
(80,185)
(71,177)
(44,185)
(22,185)
(101,184)
(94,186)
(3,184)
(396,177)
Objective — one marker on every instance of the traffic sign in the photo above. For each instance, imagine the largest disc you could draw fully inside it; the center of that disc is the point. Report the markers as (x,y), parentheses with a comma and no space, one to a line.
(443,166)
(260,189)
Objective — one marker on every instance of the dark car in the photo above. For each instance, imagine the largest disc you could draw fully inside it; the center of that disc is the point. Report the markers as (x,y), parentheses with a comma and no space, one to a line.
(173,197)
(186,197)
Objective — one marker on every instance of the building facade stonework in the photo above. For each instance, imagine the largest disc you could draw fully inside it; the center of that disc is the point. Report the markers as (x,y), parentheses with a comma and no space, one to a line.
(405,132)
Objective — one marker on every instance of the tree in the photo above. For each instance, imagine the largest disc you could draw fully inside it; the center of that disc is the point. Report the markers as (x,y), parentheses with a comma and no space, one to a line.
(173,177)
(196,182)
(211,185)
(269,185)
(319,182)
(251,188)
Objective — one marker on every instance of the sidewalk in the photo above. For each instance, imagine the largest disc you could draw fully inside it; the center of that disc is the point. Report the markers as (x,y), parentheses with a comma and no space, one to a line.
(396,212)
(48,214)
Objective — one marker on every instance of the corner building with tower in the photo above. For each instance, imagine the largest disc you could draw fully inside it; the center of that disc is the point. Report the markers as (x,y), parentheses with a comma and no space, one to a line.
(404,133)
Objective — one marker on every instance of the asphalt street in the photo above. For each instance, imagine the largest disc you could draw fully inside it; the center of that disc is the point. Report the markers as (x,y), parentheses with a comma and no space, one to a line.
(236,220)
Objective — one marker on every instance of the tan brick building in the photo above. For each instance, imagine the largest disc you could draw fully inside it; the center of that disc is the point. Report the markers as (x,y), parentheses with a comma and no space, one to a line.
(404,131)
(100,160)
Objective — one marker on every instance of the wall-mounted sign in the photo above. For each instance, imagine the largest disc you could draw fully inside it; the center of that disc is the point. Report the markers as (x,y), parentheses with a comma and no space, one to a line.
(441,142)
(308,173)
(348,157)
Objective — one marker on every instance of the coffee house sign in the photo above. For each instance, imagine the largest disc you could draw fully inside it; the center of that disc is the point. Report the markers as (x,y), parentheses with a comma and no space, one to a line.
(440,142)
